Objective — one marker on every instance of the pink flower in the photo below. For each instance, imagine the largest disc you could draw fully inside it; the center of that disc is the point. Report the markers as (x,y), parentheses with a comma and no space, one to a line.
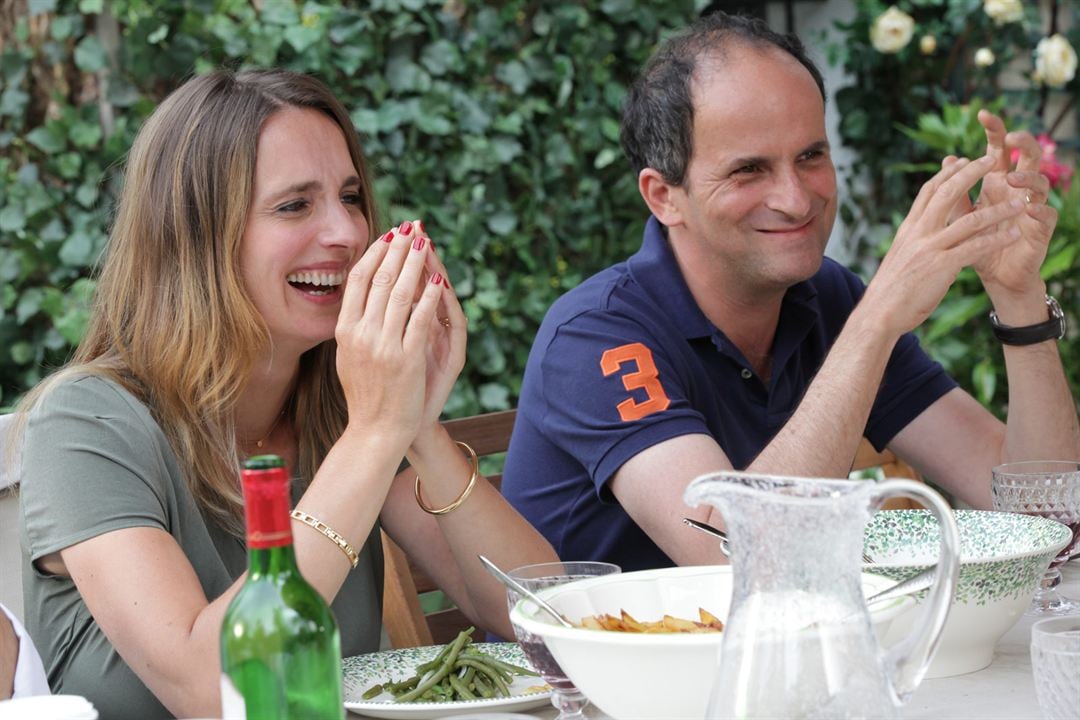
(1059,174)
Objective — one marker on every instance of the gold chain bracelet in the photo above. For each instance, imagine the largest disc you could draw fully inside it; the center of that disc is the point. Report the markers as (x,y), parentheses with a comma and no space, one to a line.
(464,493)
(329,532)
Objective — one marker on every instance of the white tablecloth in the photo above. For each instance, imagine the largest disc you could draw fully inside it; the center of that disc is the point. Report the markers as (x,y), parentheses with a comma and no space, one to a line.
(1003,691)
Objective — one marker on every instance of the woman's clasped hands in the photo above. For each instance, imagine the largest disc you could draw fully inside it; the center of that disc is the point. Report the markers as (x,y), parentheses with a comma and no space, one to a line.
(401,336)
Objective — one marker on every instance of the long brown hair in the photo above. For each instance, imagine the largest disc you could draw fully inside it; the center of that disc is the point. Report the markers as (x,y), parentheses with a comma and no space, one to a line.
(172,321)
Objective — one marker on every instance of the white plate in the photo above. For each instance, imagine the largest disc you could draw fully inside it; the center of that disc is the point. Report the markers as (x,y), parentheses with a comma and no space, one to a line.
(363,671)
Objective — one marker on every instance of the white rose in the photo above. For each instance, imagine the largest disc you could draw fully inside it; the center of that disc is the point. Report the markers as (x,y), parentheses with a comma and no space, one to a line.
(1055,61)
(891,31)
(984,57)
(1004,11)
(927,44)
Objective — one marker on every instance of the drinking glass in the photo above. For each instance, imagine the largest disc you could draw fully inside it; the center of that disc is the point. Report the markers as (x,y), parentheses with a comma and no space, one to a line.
(1055,661)
(567,699)
(1050,489)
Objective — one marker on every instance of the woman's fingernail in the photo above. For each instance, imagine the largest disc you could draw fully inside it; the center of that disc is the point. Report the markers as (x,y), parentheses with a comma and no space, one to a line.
(387,236)
(436,279)
(418,243)
(405,228)
(420,227)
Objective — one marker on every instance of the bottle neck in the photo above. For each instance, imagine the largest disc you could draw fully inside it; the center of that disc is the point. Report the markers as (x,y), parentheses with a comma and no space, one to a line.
(266,518)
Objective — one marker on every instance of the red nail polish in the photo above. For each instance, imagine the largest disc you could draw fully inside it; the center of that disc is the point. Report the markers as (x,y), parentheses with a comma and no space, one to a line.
(405,228)
(420,227)
(418,243)
(436,279)
(388,236)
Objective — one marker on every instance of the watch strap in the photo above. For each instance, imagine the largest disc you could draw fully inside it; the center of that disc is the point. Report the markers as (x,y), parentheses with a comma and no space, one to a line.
(1051,329)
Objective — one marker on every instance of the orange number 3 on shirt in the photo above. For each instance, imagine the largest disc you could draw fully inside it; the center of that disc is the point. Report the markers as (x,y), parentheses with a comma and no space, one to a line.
(646,378)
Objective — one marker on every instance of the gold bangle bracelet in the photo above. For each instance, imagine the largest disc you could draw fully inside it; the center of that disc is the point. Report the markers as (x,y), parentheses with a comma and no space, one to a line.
(329,532)
(464,493)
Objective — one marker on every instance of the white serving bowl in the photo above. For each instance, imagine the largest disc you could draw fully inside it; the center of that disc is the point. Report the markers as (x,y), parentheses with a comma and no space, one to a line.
(652,676)
(1002,559)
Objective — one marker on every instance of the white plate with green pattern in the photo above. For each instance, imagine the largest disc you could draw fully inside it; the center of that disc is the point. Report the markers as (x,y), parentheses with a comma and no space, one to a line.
(364,671)
(1002,559)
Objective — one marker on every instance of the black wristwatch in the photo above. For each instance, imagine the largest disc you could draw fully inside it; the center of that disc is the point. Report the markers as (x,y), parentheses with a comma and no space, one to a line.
(1052,329)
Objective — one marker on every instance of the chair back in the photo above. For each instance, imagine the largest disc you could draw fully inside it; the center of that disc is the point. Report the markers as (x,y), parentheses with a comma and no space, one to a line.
(891,467)
(403,618)
(10,522)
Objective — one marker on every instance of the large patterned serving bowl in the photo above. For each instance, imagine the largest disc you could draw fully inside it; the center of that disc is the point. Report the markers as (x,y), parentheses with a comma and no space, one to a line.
(1002,559)
(634,676)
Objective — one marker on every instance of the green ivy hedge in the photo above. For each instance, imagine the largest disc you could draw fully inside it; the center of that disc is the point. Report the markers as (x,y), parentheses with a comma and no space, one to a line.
(497,123)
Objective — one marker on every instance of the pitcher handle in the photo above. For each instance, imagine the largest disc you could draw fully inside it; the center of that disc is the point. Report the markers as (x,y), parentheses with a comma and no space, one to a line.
(906,663)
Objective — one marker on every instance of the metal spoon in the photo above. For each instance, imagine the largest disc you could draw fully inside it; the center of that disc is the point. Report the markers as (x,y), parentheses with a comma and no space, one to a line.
(725,546)
(521,590)
(912,585)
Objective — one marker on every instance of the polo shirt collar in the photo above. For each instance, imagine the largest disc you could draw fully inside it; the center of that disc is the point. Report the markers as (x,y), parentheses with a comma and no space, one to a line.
(655,270)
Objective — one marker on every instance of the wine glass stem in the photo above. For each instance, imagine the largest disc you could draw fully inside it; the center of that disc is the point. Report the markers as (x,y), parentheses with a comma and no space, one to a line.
(571,704)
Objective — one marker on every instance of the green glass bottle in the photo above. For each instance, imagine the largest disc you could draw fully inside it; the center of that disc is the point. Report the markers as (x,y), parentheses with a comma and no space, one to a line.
(280,648)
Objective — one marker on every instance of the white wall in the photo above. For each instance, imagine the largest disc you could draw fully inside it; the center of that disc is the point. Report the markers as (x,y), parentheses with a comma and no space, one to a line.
(811,18)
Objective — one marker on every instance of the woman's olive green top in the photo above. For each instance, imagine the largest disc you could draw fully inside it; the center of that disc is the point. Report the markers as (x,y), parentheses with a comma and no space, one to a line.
(94,461)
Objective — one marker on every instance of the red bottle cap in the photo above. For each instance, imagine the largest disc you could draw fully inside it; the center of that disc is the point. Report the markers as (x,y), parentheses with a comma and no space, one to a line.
(266,502)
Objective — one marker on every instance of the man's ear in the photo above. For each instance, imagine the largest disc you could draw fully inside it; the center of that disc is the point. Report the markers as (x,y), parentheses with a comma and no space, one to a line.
(661,197)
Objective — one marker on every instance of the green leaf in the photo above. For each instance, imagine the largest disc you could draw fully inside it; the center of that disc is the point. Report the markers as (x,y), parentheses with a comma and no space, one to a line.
(301,37)
(72,324)
(78,250)
(87,195)
(91,7)
(85,135)
(47,138)
(280,12)
(90,54)
(515,75)
(13,102)
(605,157)
(62,27)
(494,397)
(12,218)
(1061,260)
(505,149)
(53,231)
(159,34)
(954,312)
(502,223)
(69,165)
(37,7)
(52,303)
(984,378)
(22,352)
(439,57)
(28,305)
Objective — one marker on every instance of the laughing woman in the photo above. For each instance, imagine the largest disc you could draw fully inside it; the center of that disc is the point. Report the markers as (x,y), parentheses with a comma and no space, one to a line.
(244,308)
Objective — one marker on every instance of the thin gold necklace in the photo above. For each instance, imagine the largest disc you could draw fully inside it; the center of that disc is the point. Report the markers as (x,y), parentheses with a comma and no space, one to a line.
(260,443)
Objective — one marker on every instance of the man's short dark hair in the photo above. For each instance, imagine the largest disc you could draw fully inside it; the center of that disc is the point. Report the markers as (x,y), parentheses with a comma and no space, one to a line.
(658,115)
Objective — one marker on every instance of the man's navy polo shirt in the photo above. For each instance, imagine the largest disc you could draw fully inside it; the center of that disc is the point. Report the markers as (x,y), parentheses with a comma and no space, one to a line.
(627,360)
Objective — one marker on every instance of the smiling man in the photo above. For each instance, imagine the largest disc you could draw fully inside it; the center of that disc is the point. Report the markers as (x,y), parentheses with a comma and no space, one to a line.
(729,340)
